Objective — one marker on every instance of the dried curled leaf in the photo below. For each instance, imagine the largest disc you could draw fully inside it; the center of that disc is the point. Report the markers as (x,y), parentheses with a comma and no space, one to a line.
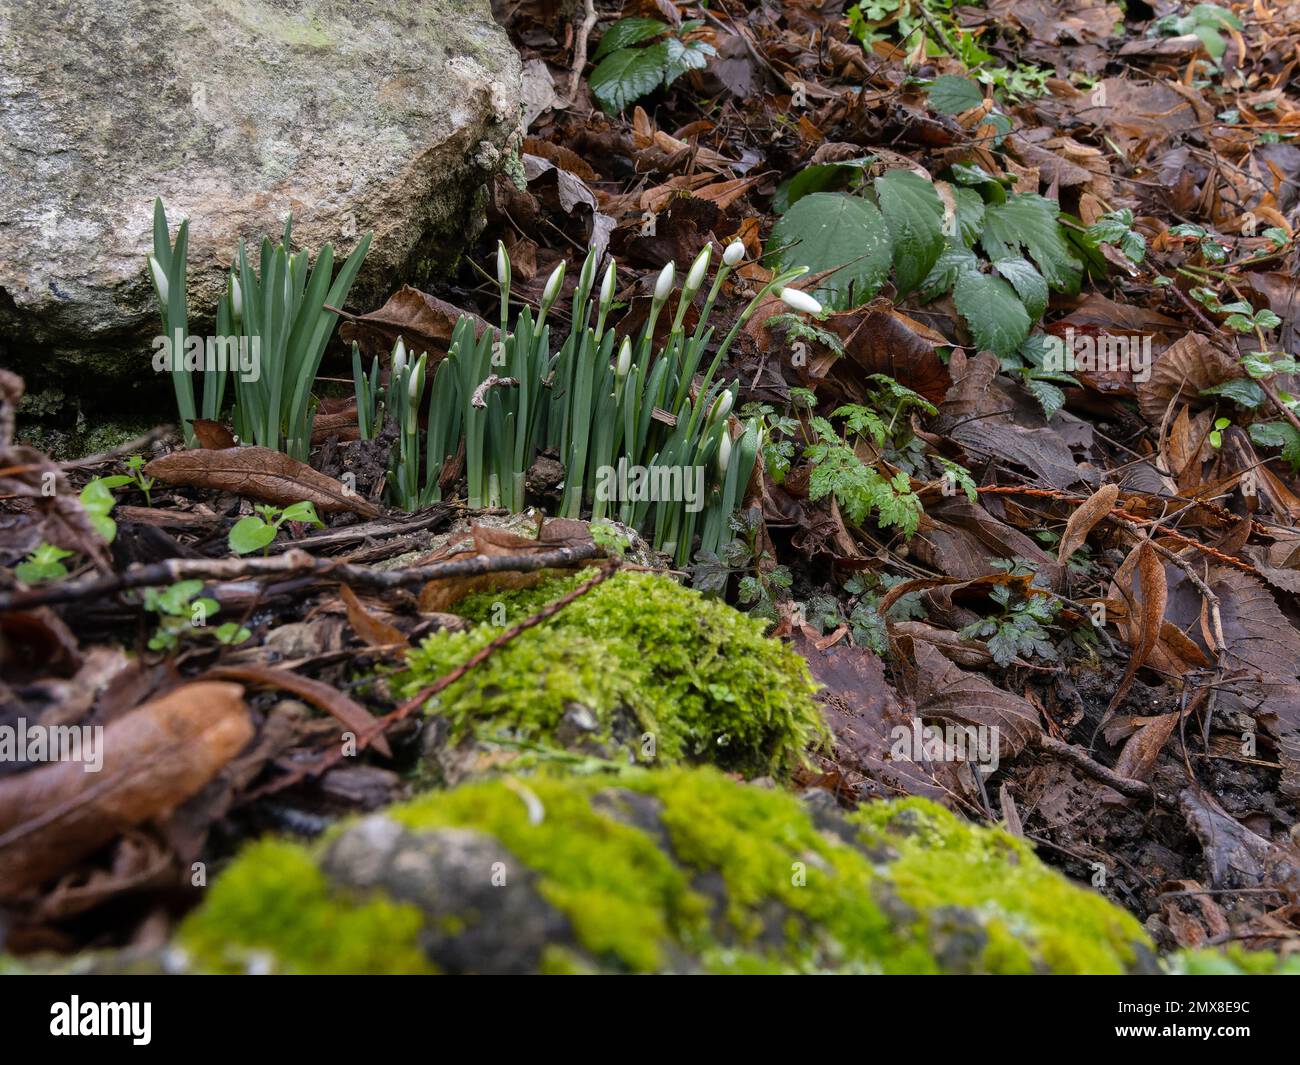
(154,758)
(259,473)
(1085,517)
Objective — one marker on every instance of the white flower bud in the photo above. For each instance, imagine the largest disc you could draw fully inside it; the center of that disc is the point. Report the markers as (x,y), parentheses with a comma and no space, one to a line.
(724,453)
(722,406)
(624,363)
(236,297)
(800,301)
(553,284)
(664,285)
(417,378)
(607,287)
(588,276)
(734,253)
(399,357)
(699,268)
(159,278)
(503,265)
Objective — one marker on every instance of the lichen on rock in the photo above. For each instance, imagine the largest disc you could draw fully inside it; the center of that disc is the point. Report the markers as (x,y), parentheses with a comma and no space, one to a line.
(681,870)
(639,669)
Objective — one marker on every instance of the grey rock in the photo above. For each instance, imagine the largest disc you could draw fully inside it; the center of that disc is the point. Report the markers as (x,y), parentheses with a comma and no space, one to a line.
(385,116)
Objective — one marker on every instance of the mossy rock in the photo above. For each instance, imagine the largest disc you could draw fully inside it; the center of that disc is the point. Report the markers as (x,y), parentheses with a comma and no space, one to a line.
(681,870)
(638,670)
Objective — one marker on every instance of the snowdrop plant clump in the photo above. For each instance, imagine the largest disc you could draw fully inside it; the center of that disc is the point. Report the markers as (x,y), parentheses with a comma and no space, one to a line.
(597,402)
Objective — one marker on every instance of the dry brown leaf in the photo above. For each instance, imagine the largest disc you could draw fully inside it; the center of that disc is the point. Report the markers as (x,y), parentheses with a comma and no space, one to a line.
(949,693)
(154,758)
(1138,758)
(1085,516)
(1143,637)
(343,708)
(259,473)
(212,435)
(1190,365)
(424,323)
(373,630)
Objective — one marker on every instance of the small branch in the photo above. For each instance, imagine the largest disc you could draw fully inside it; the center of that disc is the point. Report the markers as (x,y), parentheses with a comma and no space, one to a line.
(1077,757)
(293,562)
(585,27)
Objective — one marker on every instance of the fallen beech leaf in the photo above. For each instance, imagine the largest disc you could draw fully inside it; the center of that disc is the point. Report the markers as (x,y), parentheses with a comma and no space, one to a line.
(259,473)
(212,436)
(154,758)
(343,708)
(374,631)
(1138,758)
(1084,518)
(1143,637)
(1190,365)
(423,322)
(947,692)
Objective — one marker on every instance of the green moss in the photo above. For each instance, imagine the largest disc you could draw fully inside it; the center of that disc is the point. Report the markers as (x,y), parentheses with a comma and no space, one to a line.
(282,906)
(1031,915)
(687,869)
(1233,960)
(667,675)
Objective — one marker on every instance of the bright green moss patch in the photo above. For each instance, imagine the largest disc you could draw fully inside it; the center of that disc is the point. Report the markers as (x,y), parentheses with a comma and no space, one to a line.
(275,903)
(644,669)
(673,870)
(1031,914)
(1233,960)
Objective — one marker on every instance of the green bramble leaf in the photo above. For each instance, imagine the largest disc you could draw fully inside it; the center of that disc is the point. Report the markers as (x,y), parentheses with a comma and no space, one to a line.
(998,320)
(952,94)
(825,230)
(623,77)
(629,31)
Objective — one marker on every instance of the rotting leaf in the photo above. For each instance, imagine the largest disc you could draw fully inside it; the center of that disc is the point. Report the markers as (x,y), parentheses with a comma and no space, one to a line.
(373,630)
(154,758)
(259,473)
(1085,517)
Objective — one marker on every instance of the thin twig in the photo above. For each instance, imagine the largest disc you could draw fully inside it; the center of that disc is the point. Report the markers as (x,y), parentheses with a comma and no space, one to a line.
(292,562)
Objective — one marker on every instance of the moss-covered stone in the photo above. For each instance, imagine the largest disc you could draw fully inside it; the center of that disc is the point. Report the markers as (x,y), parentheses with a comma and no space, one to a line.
(639,669)
(665,870)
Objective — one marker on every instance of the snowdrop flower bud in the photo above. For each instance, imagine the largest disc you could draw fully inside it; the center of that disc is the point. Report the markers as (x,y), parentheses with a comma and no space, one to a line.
(607,287)
(624,363)
(800,301)
(399,357)
(159,278)
(724,453)
(417,378)
(588,276)
(553,283)
(722,406)
(699,268)
(664,285)
(236,297)
(734,253)
(503,265)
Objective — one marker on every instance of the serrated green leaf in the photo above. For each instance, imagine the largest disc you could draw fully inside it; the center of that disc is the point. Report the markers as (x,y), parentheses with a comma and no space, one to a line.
(914,214)
(628,31)
(623,77)
(686,55)
(953,94)
(1029,284)
(1279,434)
(822,177)
(826,230)
(1241,390)
(954,262)
(998,320)
(970,214)
(1027,220)
(1049,397)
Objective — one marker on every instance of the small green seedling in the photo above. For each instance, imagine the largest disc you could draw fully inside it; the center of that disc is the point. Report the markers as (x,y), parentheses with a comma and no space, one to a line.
(1216,434)
(135,476)
(257,531)
(43,564)
(97,501)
